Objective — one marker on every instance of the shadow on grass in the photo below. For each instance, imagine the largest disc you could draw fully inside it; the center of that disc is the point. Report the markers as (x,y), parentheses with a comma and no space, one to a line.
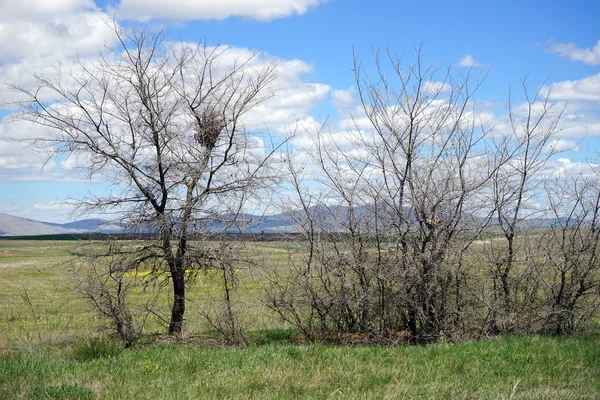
(62,392)
(94,348)
(272,336)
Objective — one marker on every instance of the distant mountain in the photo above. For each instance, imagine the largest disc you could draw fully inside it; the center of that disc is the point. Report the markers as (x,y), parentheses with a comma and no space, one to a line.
(250,223)
(326,218)
(93,225)
(17,226)
(11,225)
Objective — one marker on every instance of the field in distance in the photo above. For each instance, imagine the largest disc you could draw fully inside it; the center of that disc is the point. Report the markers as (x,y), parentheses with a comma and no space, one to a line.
(50,348)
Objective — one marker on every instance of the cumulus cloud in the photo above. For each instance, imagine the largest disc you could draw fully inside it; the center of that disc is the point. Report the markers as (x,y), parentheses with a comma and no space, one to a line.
(586,89)
(46,37)
(293,98)
(41,9)
(18,162)
(579,100)
(579,122)
(469,61)
(564,167)
(588,55)
(38,35)
(37,29)
(562,145)
(262,10)
(343,98)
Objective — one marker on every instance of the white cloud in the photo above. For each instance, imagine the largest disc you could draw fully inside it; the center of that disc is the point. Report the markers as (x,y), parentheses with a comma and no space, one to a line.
(41,8)
(20,162)
(293,98)
(17,161)
(64,28)
(579,122)
(37,35)
(586,89)
(563,167)
(343,99)
(589,56)
(262,10)
(579,99)
(356,119)
(562,145)
(469,61)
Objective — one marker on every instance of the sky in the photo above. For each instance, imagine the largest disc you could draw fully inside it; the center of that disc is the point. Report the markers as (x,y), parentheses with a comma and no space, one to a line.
(555,44)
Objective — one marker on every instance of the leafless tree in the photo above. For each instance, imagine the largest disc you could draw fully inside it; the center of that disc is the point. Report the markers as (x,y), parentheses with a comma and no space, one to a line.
(165,123)
(429,151)
(527,146)
(571,250)
(404,199)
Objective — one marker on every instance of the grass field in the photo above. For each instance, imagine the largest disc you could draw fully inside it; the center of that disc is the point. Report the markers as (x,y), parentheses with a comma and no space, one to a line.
(50,348)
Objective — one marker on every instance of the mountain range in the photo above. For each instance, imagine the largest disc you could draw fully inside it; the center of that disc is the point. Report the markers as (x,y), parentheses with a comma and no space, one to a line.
(11,225)
(325,218)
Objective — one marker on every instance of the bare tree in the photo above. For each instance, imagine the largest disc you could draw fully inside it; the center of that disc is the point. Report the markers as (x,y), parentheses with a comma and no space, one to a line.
(526,147)
(404,201)
(571,252)
(164,122)
(428,151)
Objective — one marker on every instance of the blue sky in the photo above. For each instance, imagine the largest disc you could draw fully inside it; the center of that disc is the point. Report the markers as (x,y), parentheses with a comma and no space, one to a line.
(554,42)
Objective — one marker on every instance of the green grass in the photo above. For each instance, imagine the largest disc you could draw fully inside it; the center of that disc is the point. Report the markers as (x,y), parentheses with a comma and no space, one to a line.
(50,349)
(544,368)
(38,270)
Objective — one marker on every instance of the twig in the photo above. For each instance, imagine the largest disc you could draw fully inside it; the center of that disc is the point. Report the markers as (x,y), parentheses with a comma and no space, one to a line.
(25,297)
(513,392)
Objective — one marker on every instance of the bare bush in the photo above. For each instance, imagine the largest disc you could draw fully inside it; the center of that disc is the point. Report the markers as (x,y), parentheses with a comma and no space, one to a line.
(219,310)
(527,147)
(426,224)
(571,252)
(104,274)
(389,257)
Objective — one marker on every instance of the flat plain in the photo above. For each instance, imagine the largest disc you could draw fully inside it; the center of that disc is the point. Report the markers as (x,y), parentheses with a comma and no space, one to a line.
(51,347)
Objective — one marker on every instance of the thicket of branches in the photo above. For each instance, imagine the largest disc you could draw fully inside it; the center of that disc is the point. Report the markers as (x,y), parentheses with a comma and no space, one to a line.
(426,222)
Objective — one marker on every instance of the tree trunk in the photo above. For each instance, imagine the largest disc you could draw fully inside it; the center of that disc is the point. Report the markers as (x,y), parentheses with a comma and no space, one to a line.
(177,270)
(506,284)
(178,309)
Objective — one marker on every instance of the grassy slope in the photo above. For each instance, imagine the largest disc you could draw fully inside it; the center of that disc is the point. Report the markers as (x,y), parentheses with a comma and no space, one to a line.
(62,364)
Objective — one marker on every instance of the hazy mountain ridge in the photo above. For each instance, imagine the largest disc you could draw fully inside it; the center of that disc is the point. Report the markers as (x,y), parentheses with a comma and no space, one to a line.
(11,225)
(325,219)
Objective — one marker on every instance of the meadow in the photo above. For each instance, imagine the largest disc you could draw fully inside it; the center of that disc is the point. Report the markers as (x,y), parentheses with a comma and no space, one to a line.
(51,347)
